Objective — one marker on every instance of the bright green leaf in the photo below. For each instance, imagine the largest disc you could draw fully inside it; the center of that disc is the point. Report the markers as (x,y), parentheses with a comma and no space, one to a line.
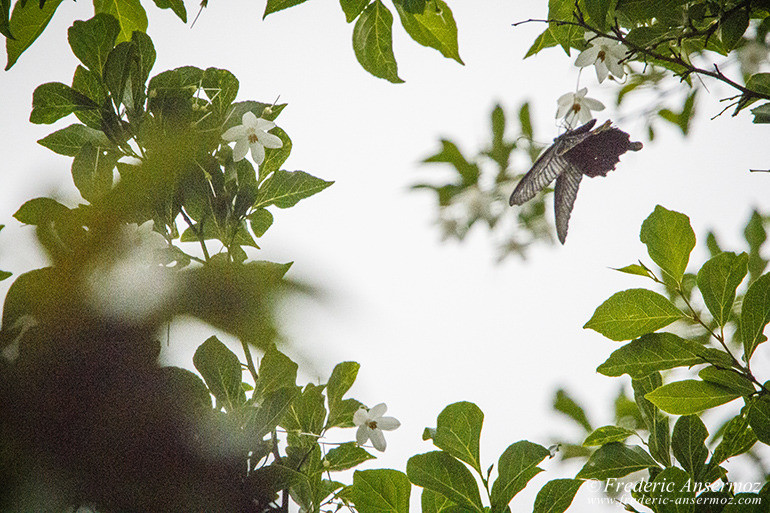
(92,40)
(440,472)
(729,379)
(373,42)
(279,5)
(221,370)
(516,467)
(68,141)
(175,5)
(607,434)
(458,431)
(276,371)
(342,378)
(259,221)
(616,460)
(673,490)
(717,281)
(285,188)
(755,314)
(352,8)
(690,396)
(636,269)
(26,24)
(345,456)
(129,13)
(688,443)
(737,438)
(434,27)
(652,352)
(669,239)
(632,313)
(381,491)
(556,495)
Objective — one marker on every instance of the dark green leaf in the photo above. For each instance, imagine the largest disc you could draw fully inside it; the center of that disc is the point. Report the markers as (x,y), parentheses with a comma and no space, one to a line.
(279,5)
(688,444)
(68,141)
(458,431)
(433,502)
(91,41)
(345,456)
(221,370)
(381,491)
(659,441)
(732,27)
(175,5)
(260,220)
(145,51)
(341,414)
(5,17)
(352,8)
(690,396)
(759,418)
(90,84)
(563,403)
(40,211)
(669,239)
(186,388)
(517,466)
(92,171)
(285,188)
(271,411)
(597,11)
(761,113)
(755,314)
(632,313)
(276,371)
(54,100)
(373,42)
(307,412)
(652,352)
(26,24)
(469,172)
(441,473)
(130,15)
(607,434)
(717,281)
(433,27)
(673,490)
(122,63)
(221,87)
(616,460)
(729,379)
(342,378)
(556,495)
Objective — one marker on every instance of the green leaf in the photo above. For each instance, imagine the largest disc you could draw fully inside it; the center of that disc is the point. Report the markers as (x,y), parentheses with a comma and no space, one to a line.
(556,495)
(342,378)
(91,41)
(93,171)
(434,27)
(669,239)
(175,5)
(285,188)
(275,157)
(381,491)
(717,281)
(221,87)
(259,221)
(279,5)
(761,113)
(565,35)
(90,84)
(5,17)
(352,8)
(755,236)
(659,441)
(516,467)
(458,430)
(271,411)
(130,15)
(673,490)
(615,460)
(543,41)
(563,403)
(342,413)
(636,269)
(755,314)
(26,24)
(690,396)
(737,438)
(729,379)
(307,412)
(597,11)
(632,313)
(54,100)
(688,444)
(759,418)
(276,371)
(607,434)
(433,502)
(221,370)
(373,42)
(440,472)
(469,172)
(40,211)
(122,63)
(732,28)
(68,141)
(652,352)
(345,456)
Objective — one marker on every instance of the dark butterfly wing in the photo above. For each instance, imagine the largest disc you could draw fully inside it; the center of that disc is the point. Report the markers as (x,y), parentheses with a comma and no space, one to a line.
(550,164)
(565,193)
(599,152)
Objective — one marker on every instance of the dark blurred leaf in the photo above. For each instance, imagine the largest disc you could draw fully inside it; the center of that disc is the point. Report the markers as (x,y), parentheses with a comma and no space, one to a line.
(26,24)
(469,172)
(563,403)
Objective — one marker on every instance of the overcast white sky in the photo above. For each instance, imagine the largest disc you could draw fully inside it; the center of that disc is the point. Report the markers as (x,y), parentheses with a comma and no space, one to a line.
(430,323)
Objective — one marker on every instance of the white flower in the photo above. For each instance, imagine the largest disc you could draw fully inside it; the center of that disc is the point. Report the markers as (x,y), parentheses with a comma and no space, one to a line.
(252,134)
(604,53)
(575,106)
(371,423)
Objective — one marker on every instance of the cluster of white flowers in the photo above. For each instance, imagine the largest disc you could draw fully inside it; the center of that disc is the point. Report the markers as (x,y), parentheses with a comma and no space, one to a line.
(607,56)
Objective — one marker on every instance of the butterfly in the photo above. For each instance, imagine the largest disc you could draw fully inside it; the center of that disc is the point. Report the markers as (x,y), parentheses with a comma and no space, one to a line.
(583,151)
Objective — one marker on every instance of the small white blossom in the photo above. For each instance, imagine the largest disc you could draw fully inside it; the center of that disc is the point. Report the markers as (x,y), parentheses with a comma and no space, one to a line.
(371,424)
(252,134)
(605,54)
(576,106)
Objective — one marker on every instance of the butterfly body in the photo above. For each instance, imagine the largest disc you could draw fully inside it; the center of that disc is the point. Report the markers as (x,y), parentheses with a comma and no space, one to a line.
(582,151)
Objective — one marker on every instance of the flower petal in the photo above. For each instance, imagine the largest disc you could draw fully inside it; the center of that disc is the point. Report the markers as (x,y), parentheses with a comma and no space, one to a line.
(249,119)
(362,435)
(241,149)
(378,411)
(269,140)
(264,124)
(592,104)
(234,133)
(360,417)
(388,423)
(587,57)
(601,71)
(378,440)
(257,153)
